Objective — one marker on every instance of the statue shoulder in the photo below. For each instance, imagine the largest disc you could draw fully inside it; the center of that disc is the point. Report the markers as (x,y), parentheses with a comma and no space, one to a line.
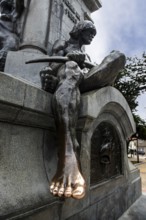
(59,47)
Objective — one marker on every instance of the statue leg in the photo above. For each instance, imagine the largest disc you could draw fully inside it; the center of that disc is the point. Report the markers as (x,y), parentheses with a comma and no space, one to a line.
(105,73)
(68,180)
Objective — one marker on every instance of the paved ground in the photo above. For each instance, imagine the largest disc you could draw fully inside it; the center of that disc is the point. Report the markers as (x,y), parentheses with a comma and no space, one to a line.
(142,166)
(138,210)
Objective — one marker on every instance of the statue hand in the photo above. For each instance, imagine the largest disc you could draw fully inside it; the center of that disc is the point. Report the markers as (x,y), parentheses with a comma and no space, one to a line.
(77,57)
(48,81)
(6,17)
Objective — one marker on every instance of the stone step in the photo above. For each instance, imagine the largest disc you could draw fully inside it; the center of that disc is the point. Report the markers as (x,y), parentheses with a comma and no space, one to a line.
(136,211)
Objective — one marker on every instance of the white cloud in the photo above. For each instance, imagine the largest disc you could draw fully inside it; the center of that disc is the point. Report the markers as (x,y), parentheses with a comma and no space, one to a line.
(121,25)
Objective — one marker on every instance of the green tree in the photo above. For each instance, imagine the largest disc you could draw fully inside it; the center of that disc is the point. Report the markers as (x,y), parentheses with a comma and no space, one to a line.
(131,82)
(140,127)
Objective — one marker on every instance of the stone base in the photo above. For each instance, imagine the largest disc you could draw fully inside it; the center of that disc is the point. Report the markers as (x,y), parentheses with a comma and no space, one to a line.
(136,211)
(17,67)
(28,155)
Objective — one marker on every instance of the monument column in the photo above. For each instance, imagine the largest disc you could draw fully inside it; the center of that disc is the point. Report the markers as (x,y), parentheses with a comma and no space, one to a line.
(33,43)
(36,27)
(43,22)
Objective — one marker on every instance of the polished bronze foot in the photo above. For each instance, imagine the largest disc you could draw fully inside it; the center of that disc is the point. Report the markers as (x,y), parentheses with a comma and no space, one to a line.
(68,181)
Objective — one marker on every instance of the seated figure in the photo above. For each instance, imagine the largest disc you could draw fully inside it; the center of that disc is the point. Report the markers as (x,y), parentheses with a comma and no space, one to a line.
(67,81)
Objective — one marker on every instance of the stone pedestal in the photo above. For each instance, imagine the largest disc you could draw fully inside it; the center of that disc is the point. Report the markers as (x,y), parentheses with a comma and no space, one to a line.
(43,24)
(28,143)
(15,66)
(29,155)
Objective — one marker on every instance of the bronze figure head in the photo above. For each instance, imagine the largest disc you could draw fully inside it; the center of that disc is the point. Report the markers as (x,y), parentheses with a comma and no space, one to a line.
(84,30)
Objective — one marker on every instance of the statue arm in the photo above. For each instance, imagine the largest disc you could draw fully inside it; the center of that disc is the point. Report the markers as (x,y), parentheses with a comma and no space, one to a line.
(15,13)
(48,74)
(57,50)
(19,7)
(5,15)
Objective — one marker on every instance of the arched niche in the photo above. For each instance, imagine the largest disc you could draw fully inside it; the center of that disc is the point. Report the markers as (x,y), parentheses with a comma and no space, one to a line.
(106,152)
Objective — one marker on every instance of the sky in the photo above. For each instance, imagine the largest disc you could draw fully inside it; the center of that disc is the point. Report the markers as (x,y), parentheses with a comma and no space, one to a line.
(121,25)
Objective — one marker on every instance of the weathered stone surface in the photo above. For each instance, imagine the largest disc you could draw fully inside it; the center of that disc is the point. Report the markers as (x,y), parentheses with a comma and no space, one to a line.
(17,67)
(11,90)
(24,104)
(111,100)
(51,212)
(110,206)
(37,99)
(29,155)
(136,211)
(23,182)
(8,113)
(36,25)
(87,214)
(92,5)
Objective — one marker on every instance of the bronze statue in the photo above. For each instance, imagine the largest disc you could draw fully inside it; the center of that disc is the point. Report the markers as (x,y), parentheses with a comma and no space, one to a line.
(66,81)
(10,11)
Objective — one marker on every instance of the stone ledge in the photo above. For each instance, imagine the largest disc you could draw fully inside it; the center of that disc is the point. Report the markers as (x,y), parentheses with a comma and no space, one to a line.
(107,100)
(23,103)
(93,5)
(16,67)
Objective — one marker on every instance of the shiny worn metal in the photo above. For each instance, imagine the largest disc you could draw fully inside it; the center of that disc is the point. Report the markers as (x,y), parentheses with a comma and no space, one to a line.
(66,81)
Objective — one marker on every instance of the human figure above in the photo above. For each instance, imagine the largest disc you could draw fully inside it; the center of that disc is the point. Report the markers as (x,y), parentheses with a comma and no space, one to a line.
(10,11)
(66,81)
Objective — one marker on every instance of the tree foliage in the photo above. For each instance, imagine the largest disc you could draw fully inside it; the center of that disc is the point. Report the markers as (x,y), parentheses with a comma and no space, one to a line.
(140,127)
(131,82)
